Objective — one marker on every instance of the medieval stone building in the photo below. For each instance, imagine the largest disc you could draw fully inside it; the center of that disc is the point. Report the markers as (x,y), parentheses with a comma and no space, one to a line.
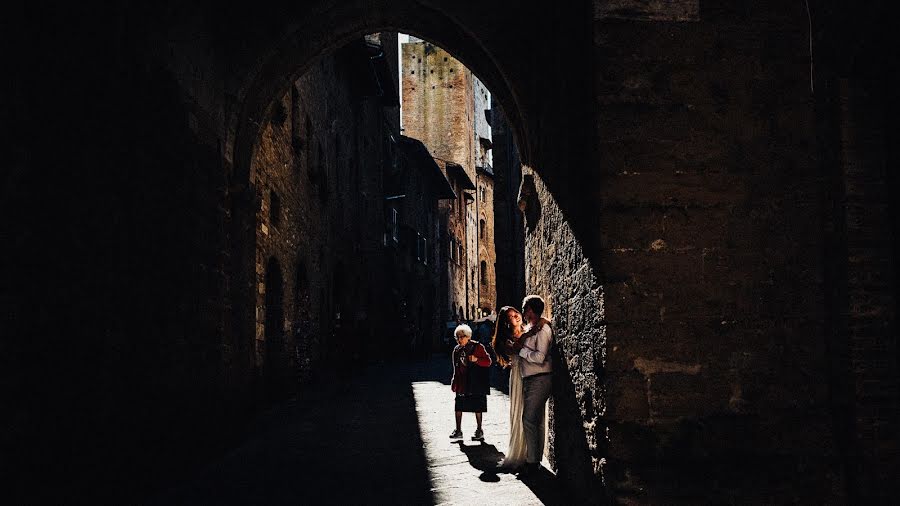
(318,178)
(454,229)
(446,106)
(709,206)
(416,260)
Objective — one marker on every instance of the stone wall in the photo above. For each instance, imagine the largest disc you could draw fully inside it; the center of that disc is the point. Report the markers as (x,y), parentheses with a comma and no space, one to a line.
(870,311)
(557,270)
(283,170)
(453,234)
(509,230)
(703,177)
(322,155)
(711,240)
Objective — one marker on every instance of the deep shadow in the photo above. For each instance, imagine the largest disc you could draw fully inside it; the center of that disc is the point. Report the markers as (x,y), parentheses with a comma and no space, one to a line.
(426,371)
(545,485)
(326,446)
(571,453)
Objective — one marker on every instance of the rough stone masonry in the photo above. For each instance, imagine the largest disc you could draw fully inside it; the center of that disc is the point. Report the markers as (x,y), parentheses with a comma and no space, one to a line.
(711,217)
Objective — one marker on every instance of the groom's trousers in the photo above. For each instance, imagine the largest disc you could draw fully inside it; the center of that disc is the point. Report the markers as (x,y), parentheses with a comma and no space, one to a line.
(536,391)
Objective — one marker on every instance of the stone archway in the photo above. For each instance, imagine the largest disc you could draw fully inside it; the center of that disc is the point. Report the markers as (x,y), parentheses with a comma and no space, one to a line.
(707,205)
(307,39)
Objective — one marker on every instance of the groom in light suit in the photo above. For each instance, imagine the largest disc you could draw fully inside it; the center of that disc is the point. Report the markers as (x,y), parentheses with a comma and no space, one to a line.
(537,378)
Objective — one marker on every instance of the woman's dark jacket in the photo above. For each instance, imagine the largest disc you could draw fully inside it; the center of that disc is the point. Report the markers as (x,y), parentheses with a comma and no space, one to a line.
(471,377)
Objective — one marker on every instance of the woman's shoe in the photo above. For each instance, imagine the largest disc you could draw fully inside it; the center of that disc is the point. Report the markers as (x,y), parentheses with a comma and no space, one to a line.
(456,434)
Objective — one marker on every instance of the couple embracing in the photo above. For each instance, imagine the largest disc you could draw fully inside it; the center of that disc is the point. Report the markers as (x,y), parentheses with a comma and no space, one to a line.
(525,349)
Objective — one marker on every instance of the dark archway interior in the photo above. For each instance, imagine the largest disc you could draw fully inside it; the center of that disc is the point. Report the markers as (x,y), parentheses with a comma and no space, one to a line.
(708,208)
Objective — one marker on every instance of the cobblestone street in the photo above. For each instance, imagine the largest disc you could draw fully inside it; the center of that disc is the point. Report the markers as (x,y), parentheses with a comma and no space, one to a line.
(383,438)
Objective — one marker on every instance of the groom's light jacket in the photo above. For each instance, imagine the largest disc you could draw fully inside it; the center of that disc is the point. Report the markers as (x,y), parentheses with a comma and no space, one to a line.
(536,351)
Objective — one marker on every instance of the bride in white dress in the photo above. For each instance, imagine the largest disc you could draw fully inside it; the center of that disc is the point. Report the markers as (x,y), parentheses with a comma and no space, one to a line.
(509,328)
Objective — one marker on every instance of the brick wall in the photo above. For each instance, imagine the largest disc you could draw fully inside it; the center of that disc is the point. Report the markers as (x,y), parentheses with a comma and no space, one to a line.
(487,290)
(439,109)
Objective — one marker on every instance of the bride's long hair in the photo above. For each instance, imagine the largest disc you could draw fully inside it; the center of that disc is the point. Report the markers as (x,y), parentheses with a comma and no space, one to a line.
(503,330)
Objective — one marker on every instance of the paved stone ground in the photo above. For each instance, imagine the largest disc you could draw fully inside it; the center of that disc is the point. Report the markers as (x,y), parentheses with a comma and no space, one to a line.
(383,438)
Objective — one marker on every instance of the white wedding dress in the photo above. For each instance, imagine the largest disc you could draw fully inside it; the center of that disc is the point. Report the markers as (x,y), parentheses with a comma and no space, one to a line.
(515,452)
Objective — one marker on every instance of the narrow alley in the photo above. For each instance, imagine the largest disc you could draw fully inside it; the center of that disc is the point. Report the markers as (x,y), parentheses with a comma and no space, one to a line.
(382,438)
(210,213)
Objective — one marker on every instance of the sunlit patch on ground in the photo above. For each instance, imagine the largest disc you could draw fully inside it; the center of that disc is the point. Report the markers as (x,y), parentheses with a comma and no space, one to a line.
(463,472)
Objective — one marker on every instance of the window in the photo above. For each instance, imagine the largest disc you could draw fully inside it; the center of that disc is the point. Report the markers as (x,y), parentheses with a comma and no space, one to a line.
(453,250)
(274,208)
(484,275)
(395,225)
(421,248)
(315,159)
(481,227)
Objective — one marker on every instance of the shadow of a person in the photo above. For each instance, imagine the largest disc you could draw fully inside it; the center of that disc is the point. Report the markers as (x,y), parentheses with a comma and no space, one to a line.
(484,457)
(544,484)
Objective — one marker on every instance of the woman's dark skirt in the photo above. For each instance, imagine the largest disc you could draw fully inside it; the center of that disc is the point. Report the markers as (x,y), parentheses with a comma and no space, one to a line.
(471,403)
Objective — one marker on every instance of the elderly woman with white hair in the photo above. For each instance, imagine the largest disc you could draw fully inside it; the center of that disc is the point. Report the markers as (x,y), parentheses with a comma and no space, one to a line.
(471,379)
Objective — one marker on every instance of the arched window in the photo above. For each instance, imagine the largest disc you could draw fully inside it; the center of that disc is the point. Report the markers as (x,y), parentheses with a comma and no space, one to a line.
(481,227)
(274,208)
